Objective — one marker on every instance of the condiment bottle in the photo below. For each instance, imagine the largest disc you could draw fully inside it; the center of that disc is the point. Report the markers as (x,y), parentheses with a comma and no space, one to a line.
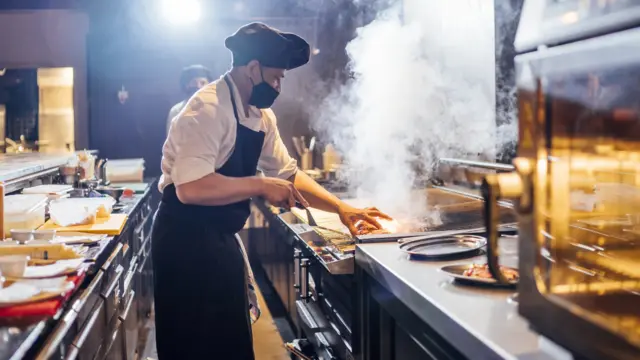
(330,158)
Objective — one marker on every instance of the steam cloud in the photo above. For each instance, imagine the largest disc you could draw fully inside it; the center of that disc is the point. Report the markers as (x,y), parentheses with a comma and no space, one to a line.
(414,97)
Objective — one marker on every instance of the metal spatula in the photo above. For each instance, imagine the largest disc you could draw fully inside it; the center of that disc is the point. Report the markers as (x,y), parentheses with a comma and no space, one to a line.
(310,218)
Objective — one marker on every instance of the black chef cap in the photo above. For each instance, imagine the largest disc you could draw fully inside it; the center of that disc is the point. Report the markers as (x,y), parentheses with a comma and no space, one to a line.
(271,47)
(194,71)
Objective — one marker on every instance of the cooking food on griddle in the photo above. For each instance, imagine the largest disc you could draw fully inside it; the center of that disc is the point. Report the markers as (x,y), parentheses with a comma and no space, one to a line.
(327,258)
(333,236)
(317,249)
(346,248)
(482,271)
(365,228)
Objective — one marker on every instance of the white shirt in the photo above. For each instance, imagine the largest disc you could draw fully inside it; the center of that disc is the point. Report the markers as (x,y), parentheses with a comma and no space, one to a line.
(175,110)
(202,137)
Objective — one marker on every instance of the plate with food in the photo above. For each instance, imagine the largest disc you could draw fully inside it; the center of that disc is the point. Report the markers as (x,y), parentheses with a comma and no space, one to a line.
(443,247)
(479,274)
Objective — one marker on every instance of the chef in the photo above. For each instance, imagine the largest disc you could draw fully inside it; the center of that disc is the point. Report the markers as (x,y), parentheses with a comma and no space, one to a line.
(226,132)
(192,79)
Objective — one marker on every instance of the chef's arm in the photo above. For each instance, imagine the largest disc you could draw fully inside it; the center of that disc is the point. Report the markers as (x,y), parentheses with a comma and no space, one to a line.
(317,196)
(216,190)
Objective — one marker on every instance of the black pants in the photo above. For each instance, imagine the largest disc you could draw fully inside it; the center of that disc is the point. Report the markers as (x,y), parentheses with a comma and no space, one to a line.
(200,295)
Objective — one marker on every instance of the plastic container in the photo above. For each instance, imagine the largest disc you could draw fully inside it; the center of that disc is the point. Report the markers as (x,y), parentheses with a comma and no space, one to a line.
(125,170)
(330,158)
(52,191)
(102,205)
(23,212)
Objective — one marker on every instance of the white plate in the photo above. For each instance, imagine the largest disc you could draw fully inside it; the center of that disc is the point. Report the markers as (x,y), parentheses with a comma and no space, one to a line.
(57,269)
(31,291)
(77,238)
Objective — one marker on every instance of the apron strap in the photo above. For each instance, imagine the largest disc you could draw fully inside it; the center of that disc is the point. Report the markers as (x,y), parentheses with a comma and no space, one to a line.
(233,98)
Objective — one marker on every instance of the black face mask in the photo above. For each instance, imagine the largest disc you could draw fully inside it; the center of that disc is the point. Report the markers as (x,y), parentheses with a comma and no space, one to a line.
(263,95)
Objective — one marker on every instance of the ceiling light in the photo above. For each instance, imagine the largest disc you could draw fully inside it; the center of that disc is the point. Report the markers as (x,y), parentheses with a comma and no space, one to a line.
(181,12)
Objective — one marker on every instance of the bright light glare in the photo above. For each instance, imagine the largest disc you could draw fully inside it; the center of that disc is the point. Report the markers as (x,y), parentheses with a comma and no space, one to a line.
(181,11)
(390,225)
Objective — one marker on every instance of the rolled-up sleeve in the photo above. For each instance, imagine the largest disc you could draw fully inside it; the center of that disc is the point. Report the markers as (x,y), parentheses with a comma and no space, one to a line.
(275,160)
(198,132)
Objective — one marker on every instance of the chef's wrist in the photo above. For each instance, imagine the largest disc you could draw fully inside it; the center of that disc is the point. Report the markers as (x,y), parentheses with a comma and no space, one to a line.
(339,205)
(260,184)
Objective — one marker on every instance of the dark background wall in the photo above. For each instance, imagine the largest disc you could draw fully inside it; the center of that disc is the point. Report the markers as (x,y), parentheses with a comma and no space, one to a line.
(131,46)
(127,43)
(49,38)
(116,44)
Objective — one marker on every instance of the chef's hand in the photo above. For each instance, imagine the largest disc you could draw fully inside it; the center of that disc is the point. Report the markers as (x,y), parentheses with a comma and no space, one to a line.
(281,193)
(350,215)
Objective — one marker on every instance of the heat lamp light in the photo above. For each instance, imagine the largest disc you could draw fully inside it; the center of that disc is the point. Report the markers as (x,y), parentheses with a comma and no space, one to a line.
(181,12)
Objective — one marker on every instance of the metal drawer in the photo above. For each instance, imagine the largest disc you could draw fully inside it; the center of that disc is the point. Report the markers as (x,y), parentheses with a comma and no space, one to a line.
(89,341)
(127,255)
(58,344)
(111,264)
(112,295)
(88,299)
(127,284)
(129,318)
(112,344)
(141,232)
(144,287)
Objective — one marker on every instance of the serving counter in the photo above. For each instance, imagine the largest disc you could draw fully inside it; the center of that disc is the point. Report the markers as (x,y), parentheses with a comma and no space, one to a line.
(391,307)
(107,311)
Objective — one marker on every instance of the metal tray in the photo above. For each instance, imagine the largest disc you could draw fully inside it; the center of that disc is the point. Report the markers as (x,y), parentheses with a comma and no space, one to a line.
(457,271)
(444,247)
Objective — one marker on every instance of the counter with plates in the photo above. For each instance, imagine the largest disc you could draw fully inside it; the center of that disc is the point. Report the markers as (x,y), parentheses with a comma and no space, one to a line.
(106,313)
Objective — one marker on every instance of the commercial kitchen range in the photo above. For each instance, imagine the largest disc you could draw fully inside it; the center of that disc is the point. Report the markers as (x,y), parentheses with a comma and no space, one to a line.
(378,303)
(107,313)
(574,186)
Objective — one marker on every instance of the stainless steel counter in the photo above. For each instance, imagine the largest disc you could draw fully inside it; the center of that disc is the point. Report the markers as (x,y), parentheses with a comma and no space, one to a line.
(14,166)
(480,323)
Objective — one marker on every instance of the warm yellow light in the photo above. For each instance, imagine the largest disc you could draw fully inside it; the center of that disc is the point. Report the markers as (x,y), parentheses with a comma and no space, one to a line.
(570,17)
(181,12)
(390,225)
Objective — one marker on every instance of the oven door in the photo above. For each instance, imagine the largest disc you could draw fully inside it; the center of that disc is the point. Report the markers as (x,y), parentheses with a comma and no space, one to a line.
(553,22)
(579,108)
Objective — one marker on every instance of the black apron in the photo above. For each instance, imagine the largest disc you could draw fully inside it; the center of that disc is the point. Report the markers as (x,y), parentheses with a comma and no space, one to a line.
(200,285)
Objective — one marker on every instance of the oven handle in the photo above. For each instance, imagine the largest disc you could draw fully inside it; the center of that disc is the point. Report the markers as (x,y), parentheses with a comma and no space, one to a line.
(82,299)
(112,286)
(56,338)
(514,186)
(125,313)
(297,256)
(82,337)
(113,255)
(304,280)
